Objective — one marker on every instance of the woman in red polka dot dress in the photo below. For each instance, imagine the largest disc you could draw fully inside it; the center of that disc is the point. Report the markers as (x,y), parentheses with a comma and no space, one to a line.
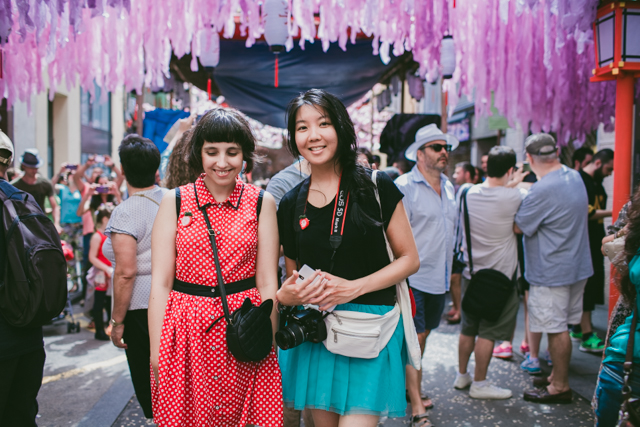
(196,381)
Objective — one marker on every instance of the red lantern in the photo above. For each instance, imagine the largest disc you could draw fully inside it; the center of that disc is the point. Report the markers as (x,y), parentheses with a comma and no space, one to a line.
(617,44)
(617,40)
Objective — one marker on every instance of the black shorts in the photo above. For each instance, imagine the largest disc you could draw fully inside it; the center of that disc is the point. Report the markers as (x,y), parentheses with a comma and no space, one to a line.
(594,290)
(429,309)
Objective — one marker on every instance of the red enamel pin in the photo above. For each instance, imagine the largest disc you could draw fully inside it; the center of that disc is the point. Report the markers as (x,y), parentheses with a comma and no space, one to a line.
(186,219)
(304,222)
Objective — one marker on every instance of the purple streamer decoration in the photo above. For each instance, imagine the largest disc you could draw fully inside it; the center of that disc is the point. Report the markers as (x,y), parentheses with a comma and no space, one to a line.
(534,57)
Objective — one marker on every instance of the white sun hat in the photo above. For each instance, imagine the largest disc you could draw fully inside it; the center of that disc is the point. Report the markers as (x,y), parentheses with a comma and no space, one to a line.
(428,134)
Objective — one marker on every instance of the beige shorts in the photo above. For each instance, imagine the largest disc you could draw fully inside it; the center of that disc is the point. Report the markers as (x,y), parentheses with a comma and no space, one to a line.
(552,309)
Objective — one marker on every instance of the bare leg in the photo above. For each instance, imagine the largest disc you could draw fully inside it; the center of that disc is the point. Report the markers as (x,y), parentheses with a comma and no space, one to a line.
(291,417)
(560,348)
(484,351)
(307,417)
(359,421)
(325,418)
(465,348)
(526,319)
(456,292)
(585,323)
(414,380)
(534,344)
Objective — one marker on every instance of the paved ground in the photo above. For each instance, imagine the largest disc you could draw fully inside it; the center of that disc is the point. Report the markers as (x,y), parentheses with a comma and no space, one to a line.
(87,383)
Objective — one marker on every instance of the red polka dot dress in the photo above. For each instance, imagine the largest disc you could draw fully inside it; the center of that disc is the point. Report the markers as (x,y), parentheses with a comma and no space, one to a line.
(200,382)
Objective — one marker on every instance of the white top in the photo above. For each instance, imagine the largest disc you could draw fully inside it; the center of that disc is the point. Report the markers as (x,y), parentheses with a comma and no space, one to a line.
(135,217)
(492,212)
(432,218)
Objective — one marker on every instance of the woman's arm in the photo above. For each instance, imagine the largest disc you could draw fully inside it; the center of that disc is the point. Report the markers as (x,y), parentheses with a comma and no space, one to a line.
(56,178)
(125,249)
(85,203)
(267,259)
(80,174)
(96,241)
(407,262)
(114,190)
(163,270)
(108,162)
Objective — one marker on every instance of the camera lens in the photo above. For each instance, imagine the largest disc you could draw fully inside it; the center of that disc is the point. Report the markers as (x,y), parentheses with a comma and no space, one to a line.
(291,336)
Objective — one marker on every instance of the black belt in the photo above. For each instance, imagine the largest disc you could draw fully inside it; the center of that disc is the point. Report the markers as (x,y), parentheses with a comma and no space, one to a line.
(213,291)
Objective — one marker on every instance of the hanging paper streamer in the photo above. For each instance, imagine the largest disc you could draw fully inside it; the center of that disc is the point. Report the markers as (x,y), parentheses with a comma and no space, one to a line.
(276,73)
(534,56)
(209,88)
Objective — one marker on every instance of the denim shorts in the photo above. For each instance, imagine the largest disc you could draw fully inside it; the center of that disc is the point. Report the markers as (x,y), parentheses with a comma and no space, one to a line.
(608,396)
(429,309)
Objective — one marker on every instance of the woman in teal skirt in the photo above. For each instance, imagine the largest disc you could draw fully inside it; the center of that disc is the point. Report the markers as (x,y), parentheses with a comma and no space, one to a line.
(333,223)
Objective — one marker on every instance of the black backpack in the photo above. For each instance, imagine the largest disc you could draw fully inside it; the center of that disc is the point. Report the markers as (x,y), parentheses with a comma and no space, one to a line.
(34,287)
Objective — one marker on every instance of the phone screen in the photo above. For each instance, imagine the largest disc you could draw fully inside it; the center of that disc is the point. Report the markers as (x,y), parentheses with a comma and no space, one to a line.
(526,167)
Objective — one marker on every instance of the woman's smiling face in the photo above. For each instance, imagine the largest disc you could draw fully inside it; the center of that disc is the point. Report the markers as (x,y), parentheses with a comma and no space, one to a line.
(316,138)
(222,162)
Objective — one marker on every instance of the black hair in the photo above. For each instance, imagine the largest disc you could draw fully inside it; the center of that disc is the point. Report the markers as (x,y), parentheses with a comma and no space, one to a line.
(96,199)
(140,160)
(501,159)
(222,125)
(103,211)
(479,175)
(356,179)
(404,165)
(580,154)
(466,167)
(367,153)
(631,248)
(605,156)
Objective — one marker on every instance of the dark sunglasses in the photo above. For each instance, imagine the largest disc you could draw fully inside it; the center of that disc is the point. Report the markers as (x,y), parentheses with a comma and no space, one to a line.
(438,147)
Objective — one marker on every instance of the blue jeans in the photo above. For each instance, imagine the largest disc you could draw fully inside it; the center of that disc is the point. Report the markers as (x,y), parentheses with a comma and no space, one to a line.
(609,392)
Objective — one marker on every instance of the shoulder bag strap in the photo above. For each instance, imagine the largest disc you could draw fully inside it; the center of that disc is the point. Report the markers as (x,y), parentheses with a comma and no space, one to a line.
(212,240)
(146,197)
(467,228)
(628,361)
(259,207)
(178,202)
(374,178)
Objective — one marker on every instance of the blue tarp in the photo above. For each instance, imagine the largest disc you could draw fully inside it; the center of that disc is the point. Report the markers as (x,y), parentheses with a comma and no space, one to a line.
(158,122)
(246,76)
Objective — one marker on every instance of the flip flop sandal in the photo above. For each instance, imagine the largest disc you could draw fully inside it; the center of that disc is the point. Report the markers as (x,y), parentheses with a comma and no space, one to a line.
(424,398)
(420,420)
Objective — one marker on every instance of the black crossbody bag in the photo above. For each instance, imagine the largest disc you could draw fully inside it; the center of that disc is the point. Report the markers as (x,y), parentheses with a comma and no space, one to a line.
(249,332)
(489,290)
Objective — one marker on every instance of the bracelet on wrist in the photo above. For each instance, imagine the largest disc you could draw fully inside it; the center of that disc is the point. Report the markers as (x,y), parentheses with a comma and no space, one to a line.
(114,323)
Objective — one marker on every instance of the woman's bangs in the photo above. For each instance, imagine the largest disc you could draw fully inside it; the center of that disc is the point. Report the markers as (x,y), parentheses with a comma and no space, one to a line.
(224,129)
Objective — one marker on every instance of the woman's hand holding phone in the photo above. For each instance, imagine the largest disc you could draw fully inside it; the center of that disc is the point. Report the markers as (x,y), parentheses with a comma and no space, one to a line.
(337,290)
(297,292)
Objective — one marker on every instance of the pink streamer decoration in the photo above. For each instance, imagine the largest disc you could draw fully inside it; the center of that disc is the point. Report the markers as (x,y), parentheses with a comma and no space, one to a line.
(534,56)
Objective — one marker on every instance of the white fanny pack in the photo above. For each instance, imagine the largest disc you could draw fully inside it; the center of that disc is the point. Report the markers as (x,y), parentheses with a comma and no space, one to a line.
(361,335)
(364,335)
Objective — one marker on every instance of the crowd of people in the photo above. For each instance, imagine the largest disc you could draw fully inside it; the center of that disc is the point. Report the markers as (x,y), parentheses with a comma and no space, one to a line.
(178,250)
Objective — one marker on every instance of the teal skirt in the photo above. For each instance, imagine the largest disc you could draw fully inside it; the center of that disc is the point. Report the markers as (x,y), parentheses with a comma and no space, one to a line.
(313,377)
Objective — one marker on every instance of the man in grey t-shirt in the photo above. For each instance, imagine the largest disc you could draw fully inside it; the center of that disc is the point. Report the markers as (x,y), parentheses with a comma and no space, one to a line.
(278,186)
(553,219)
(287,178)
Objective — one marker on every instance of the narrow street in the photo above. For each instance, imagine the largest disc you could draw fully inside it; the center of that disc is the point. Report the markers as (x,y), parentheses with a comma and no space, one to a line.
(87,383)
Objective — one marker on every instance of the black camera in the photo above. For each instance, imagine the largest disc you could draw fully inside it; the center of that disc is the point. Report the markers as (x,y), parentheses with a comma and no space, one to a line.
(301,326)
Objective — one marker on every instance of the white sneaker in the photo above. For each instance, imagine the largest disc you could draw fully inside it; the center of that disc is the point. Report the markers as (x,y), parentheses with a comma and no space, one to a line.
(489,391)
(462,381)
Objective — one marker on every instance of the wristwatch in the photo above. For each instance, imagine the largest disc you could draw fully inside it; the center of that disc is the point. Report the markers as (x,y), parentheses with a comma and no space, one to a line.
(114,323)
